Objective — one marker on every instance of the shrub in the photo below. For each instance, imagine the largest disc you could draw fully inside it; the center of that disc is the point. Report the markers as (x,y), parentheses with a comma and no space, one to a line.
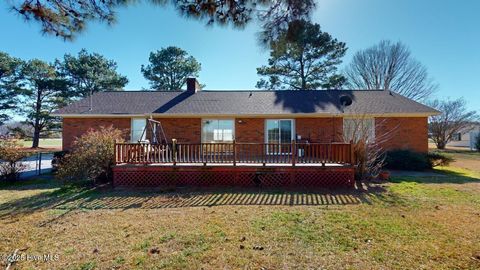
(437,159)
(58,158)
(406,160)
(10,160)
(92,156)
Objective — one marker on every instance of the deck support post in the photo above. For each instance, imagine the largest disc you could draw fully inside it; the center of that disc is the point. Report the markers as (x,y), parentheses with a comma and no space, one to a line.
(174,151)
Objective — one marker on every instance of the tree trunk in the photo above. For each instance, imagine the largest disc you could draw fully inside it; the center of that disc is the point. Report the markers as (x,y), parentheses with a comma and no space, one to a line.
(302,73)
(36,136)
(441,145)
(36,124)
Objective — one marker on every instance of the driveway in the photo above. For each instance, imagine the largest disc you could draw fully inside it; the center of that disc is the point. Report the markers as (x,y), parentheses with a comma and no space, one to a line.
(32,163)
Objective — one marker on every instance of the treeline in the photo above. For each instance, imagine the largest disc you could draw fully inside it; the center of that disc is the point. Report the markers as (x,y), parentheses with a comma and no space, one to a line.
(302,57)
(35,88)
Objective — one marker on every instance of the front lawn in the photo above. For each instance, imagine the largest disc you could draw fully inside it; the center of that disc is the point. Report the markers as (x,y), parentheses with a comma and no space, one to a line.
(55,144)
(420,223)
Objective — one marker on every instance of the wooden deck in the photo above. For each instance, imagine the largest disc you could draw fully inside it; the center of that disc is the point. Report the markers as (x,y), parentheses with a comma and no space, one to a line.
(234,153)
(234,164)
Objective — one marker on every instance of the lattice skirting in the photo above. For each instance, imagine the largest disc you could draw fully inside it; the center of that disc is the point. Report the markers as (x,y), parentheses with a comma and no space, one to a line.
(150,176)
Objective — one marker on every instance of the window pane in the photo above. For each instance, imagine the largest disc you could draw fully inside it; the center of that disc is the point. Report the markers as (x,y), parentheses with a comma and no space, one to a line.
(227,135)
(138,126)
(285,131)
(217,130)
(272,131)
(356,129)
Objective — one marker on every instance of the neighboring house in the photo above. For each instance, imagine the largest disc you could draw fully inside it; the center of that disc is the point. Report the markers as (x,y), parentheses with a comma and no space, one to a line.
(255,117)
(466,137)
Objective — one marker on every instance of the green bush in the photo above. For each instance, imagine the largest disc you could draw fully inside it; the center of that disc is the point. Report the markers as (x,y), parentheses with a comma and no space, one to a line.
(58,158)
(437,159)
(92,156)
(406,160)
(415,161)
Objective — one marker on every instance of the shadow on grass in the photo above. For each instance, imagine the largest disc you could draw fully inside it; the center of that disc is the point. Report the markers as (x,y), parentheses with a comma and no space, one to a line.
(84,198)
(45,199)
(457,151)
(447,177)
(39,182)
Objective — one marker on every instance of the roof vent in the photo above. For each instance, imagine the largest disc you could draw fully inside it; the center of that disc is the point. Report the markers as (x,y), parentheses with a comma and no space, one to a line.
(345,101)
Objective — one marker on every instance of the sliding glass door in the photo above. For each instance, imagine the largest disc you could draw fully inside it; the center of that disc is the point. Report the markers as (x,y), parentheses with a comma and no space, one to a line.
(279,131)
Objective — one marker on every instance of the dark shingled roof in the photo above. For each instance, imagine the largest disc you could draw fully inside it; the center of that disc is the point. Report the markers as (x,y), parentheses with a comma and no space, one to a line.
(244,103)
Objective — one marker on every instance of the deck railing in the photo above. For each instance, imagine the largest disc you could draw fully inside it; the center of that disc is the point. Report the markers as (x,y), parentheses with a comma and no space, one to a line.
(234,153)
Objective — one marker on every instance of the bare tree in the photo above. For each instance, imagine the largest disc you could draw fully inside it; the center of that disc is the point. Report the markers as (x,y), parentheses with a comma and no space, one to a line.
(454,118)
(390,66)
(368,148)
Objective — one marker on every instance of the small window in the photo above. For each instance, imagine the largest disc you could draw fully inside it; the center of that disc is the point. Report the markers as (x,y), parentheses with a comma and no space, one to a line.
(138,126)
(214,130)
(356,129)
(457,137)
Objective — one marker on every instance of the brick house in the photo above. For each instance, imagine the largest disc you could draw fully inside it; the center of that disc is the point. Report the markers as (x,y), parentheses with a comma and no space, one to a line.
(199,117)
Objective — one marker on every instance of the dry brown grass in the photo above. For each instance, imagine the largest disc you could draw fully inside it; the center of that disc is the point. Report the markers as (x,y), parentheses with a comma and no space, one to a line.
(421,223)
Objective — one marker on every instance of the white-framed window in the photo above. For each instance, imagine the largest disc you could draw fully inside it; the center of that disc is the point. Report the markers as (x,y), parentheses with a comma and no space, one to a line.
(358,128)
(218,130)
(278,131)
(137,128)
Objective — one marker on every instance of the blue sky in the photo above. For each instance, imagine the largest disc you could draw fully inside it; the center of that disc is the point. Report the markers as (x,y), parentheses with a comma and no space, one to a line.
(443,35)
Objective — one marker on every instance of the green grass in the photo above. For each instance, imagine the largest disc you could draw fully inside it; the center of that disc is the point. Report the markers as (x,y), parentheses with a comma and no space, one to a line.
(44,143)
(408,223)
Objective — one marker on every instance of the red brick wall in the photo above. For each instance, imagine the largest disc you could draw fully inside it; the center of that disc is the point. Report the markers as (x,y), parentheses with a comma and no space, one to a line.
(402,133)
(320,130)
(185,130)
(312,129)
(76,127)
(250,130)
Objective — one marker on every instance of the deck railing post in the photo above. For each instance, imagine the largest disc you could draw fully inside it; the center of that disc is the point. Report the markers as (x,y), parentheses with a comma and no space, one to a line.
(174,151)
(352,153)
(115,151)
(234,153)
(294,152)
(265,149)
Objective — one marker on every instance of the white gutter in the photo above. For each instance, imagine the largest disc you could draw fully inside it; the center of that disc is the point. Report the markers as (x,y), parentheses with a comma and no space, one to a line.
(299,115)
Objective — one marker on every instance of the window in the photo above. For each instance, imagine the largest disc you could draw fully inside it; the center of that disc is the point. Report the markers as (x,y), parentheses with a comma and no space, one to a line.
(214,130)
(138,126)
(457,137)
(355,129)
(279,131)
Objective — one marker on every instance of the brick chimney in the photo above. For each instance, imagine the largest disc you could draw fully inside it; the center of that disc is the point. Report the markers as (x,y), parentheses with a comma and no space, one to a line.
(193,86)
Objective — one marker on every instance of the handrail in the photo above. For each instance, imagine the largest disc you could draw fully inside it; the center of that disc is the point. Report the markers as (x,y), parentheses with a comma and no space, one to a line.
(293,153)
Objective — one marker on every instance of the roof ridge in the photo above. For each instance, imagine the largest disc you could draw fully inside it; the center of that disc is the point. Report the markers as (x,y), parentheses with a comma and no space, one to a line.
(245,90)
